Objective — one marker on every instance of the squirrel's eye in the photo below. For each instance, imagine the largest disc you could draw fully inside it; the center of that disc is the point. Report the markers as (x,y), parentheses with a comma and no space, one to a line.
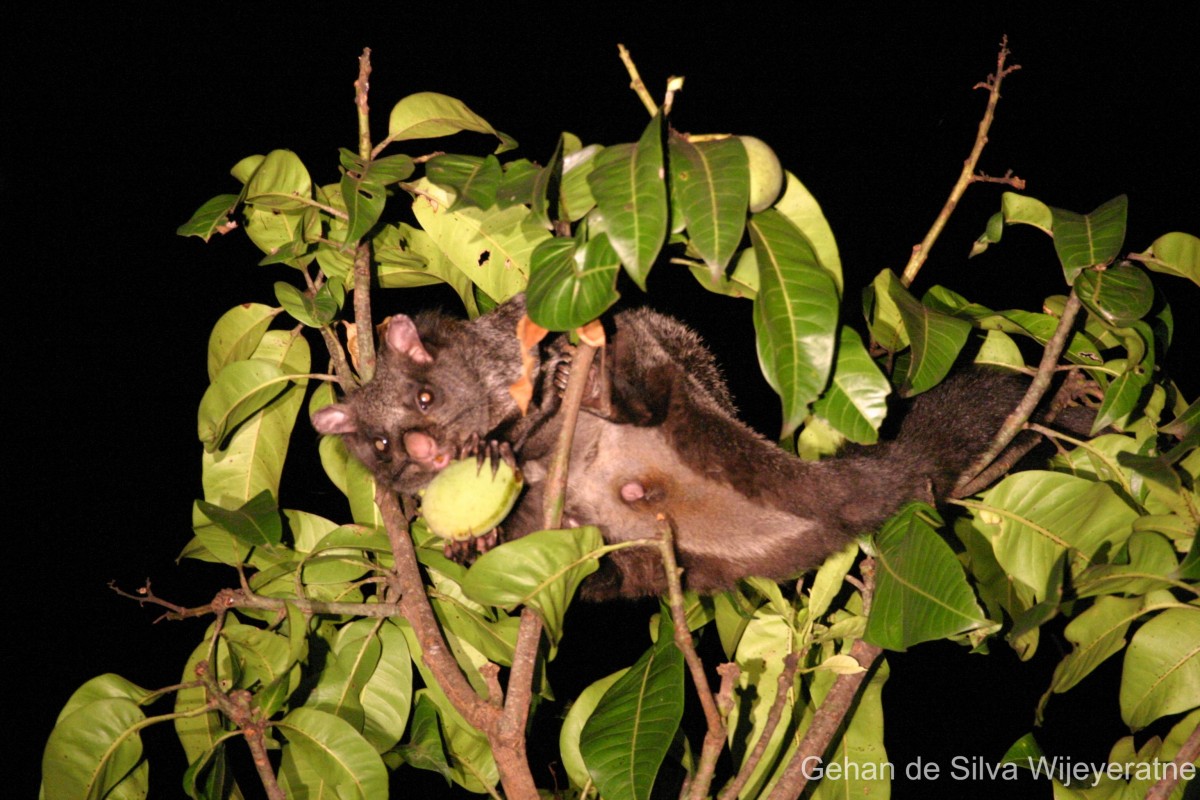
(382,447)
(424,399)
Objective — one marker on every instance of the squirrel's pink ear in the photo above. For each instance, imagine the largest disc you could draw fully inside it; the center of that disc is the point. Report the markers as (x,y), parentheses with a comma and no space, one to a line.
(336,418)
(402,337)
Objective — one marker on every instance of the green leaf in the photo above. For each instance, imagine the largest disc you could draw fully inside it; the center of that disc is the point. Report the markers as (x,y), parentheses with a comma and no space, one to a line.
(315,312)
(1122,395)
(541,570)
(575,196)
(210,218)
(1161,674)
(428,115)
(1095,635)
(388,692)
(256,522)
(346,669)
(799,206)
(1033,517)
(473,180)
(237,334)
(626,738)
(252,460)
(795,315)
(921,592)
(1089,240)
(572,727)
(1120,295)
(240,390)
(96,752)
(936,338)
(325,757)
(631,195)
(1015,209)
(364,203)
(571,284)
(280,183)
(712,181)
(425,748)
(408,256)
(857,765)
(104,687)
(856,401)
(516,187)
(1174,254)
(493,248)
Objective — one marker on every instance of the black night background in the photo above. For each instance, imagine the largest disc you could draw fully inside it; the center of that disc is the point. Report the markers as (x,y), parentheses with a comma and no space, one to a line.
(121,119)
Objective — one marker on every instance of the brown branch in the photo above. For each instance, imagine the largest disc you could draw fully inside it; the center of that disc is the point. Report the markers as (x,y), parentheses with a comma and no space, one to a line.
(967,175)
(783,685)
(362,88)
(1033,395)
(1007,179)
(714,737)
(362,252)
(833,710)
(556,479)
(414,605)
(238,706)
(1186,755)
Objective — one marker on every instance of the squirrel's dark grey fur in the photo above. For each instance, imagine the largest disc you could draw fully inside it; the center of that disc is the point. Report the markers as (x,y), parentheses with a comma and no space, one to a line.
(662,438)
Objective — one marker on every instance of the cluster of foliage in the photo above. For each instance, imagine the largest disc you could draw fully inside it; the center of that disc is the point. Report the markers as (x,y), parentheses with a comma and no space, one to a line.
(313,658)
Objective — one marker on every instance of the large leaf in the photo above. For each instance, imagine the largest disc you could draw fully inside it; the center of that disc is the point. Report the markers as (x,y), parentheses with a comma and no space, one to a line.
(1174,253)
(631,195)
(1096,634)
(1034,517)
(325,757)
(712,183)
(1120,295)
(627,736)
(936,338)
(856,401)
(210,218)
(428,115)
(96,752)
(237,334)
(493,248)
(799,206)
(1088,240)
(1161,674)
(541,570)
(280,183)
(473,180)
(571,284)
(578,715)
(256,522)
(795,315)
(240,390)
(921,592)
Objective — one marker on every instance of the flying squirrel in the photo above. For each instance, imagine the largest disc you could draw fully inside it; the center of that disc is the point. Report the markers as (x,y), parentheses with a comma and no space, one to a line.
(661,440)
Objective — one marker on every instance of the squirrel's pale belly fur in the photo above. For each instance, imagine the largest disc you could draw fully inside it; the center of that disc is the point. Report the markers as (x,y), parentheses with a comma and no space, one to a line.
(662,438)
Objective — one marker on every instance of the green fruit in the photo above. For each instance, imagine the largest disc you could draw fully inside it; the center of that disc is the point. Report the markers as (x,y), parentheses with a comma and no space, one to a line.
(466,500)
(766,173)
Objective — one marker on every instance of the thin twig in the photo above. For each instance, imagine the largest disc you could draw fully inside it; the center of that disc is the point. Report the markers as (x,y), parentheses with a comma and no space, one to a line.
(714,737)
(1041,382)
(967,176)
(783,686)
(1069,389)
(362,252)
(635,81)
(1186,755)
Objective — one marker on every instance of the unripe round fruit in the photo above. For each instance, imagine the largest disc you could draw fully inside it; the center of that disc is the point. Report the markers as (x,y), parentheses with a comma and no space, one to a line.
(466,500)
(766,173)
